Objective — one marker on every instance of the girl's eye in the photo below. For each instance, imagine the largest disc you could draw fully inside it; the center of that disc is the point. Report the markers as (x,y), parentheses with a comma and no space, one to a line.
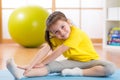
(56,32)
(62,27)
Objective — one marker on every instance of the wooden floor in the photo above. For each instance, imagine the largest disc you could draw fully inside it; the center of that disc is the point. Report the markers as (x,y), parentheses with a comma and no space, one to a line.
(23,56)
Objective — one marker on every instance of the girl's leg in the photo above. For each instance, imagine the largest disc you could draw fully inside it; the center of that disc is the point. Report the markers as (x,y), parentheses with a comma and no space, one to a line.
(104,68)
(37,72)
(18,73)
(93,68)
(94,71)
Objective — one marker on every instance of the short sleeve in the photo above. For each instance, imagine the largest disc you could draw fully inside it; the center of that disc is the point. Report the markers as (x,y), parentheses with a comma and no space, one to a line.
(74,39)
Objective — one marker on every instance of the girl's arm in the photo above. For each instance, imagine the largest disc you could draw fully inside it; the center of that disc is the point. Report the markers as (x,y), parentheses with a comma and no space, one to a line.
(40,55)
(54,54)
(40,64)
(43,52)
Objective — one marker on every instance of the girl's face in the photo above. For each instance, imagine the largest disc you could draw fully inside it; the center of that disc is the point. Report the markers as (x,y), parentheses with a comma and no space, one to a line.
(61,29)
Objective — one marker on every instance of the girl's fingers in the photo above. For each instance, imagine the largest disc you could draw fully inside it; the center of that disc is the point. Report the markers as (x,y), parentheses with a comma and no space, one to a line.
(26,71)
(38,66)
(21,67)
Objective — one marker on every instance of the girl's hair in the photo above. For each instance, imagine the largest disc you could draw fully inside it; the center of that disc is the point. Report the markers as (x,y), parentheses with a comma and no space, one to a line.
(52,19)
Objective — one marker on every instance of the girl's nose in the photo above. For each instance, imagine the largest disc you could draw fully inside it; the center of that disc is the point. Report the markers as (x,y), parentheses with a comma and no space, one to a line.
(62,33)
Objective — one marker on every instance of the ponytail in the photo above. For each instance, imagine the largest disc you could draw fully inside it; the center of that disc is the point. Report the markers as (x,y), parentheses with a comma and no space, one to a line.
(47,38)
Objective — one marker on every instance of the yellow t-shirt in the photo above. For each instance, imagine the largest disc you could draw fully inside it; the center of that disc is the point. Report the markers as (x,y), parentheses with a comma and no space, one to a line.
(80,46)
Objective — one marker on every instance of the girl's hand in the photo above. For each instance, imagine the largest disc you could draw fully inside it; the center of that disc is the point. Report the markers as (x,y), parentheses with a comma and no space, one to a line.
(27,68)
(36,66)
(39,65)
(23,67)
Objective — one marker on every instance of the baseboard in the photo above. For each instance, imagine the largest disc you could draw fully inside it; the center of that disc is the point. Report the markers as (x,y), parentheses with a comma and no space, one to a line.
(11,41)
(96,40)
(8,41)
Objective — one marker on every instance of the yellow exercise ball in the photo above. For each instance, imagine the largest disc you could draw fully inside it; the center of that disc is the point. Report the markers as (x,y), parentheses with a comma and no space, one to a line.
(26,25)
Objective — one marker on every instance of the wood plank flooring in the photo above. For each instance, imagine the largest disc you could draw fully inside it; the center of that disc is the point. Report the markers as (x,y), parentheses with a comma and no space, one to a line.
(23,56)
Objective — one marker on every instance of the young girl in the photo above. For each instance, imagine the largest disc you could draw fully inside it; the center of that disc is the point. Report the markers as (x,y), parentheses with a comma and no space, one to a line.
(64,38)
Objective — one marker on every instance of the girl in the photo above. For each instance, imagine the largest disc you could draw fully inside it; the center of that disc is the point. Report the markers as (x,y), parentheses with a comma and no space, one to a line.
(64,38)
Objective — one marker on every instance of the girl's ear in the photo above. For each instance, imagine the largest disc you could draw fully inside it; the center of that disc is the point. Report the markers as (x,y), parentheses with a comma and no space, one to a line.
(69,22)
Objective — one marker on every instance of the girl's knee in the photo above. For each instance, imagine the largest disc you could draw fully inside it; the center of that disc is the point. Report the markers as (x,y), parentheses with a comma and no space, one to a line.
(109,72)
(110,69)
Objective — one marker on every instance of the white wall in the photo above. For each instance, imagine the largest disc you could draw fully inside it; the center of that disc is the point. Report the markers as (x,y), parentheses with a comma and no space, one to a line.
(89,18)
